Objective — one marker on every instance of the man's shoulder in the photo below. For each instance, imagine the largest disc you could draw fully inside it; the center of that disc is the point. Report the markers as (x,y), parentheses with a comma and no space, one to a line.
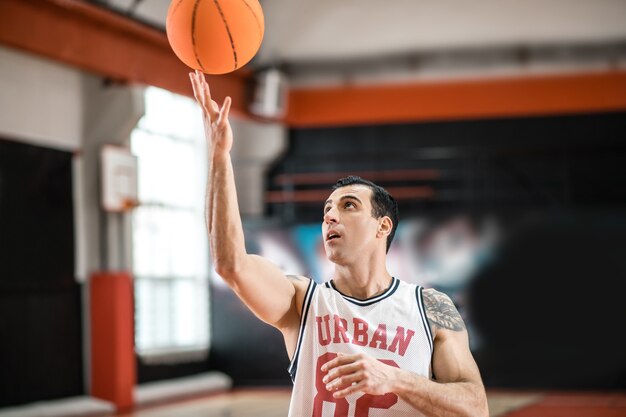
(441,311)
(431,292)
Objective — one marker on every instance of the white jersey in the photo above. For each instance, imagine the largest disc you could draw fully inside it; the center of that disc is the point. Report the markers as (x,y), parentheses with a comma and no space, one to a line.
(391,327)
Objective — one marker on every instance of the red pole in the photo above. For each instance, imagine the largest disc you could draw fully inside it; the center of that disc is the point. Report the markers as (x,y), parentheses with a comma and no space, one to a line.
(113,367)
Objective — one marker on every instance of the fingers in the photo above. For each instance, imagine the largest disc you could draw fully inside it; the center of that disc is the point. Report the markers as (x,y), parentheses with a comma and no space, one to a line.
(194,86)
(347,374)
(202,93)
(210,105)
(341,370)
(358,387)
(203,84)
(343,381)
(341,359)
(223,114)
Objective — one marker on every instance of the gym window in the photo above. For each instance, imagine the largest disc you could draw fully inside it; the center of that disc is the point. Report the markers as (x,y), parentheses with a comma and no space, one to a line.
(170,247)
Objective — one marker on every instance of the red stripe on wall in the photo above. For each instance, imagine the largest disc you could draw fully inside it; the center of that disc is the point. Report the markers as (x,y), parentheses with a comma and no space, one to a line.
(458,100)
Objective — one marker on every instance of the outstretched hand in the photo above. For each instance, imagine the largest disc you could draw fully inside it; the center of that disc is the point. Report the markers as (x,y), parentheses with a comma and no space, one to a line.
(216,124)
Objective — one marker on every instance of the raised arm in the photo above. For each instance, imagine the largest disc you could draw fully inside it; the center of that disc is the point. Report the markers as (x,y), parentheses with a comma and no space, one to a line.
(260,284)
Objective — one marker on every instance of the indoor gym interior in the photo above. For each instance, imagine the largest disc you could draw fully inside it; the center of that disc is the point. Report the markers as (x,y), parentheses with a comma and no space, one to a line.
(499,126)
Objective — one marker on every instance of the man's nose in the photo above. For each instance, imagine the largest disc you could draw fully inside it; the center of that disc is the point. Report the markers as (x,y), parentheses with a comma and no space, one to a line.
(330,216)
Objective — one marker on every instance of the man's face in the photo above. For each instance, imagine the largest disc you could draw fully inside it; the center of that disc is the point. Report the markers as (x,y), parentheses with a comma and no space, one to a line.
(349,230)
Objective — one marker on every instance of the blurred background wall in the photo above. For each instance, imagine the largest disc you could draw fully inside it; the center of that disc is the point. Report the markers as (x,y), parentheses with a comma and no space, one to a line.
(499,128)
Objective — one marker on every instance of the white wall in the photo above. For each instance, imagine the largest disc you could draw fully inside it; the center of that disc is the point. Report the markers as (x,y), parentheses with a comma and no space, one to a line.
(110,113)
(41,102)
(322,30)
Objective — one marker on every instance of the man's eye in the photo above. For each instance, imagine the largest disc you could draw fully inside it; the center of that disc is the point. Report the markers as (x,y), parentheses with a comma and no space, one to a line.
(349,204)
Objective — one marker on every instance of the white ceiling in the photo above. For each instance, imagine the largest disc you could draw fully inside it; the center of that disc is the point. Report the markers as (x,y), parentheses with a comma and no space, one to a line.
(301,31)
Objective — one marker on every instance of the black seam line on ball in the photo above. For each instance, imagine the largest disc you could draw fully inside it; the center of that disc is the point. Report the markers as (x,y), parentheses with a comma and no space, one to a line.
(256,18)
(232,44)
(193,33)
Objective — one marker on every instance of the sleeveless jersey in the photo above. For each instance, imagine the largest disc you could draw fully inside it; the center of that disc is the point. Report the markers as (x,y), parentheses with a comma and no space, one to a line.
(391,327)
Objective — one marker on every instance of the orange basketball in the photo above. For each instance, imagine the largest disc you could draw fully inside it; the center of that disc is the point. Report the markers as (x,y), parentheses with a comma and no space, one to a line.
(215,36)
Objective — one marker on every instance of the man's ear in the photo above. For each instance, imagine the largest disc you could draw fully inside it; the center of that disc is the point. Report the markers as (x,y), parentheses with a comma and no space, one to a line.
(384,227)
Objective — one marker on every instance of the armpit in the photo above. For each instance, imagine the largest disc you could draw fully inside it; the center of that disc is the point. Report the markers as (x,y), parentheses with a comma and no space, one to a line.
(300,285)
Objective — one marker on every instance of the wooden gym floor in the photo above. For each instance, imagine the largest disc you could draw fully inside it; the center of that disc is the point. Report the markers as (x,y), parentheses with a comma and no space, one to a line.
(275,402)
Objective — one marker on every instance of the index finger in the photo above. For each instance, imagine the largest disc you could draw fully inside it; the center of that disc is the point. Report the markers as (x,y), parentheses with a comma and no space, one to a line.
(202,92)
(204,83)
(341,359)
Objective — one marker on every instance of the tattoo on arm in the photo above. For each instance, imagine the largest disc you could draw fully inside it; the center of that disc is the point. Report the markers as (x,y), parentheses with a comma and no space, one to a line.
(441,312)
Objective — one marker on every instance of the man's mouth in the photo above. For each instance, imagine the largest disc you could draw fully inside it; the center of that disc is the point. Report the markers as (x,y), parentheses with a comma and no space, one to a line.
(332,235)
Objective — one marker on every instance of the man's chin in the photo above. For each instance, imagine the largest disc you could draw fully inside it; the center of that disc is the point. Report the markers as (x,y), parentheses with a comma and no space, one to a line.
(335,257)
(331,255)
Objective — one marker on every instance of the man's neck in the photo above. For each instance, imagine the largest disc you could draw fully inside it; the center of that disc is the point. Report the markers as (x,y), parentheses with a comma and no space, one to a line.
(363,279)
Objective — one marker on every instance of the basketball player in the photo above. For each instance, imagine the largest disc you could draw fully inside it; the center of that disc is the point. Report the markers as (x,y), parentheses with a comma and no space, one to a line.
(365,343)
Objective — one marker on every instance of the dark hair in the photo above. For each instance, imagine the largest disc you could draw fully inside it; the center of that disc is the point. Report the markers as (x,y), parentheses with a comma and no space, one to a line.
(383,204)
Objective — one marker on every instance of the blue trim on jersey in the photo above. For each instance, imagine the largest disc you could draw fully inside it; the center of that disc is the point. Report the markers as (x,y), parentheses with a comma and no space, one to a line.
(420,304)
(395,283)
(305,311)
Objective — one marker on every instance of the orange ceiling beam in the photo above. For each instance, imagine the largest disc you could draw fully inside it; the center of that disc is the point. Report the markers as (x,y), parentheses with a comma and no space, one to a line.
(99,41)
(458,100)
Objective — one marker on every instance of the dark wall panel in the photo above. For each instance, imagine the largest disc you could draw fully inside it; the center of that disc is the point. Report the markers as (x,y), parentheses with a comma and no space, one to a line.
(40,308)
(149,372)
(550,308)
(488,165)
(40,353)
